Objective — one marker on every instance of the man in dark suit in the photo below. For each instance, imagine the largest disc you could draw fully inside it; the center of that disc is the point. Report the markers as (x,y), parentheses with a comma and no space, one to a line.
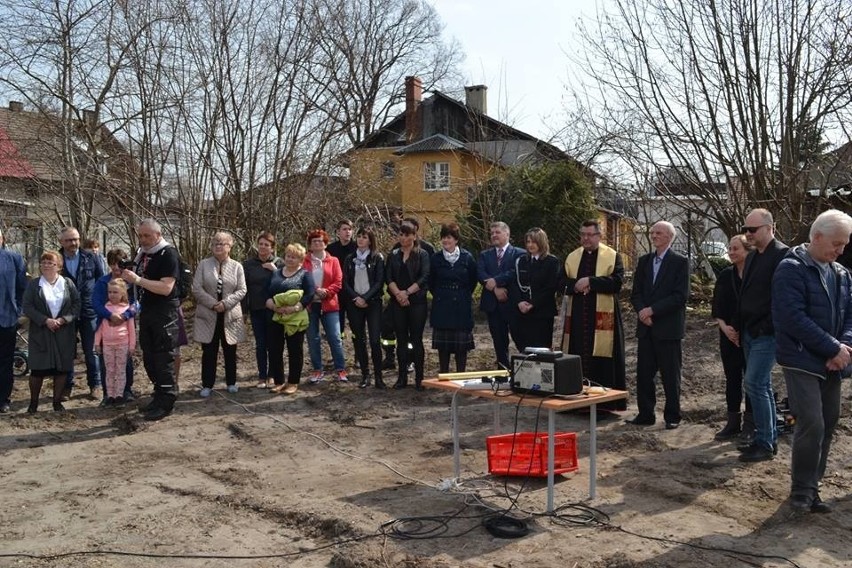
(495,268)
(660,291)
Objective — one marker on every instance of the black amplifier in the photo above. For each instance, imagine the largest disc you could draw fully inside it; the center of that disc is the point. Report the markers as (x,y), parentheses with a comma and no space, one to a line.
(544,374)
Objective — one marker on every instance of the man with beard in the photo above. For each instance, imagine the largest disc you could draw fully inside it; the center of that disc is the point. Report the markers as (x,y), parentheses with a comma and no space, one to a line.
(593,328)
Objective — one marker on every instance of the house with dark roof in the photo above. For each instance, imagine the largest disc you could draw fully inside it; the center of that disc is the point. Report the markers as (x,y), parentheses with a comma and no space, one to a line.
(50,168)
(429,160)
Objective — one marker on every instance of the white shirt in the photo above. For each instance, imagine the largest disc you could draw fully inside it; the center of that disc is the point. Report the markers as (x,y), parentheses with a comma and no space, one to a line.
(54,294)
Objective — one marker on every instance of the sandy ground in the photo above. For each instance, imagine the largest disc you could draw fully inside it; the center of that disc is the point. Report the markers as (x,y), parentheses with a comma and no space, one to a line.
(316,479)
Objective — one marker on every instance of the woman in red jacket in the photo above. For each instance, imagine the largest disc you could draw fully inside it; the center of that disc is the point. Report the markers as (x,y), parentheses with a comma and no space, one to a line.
(328,278)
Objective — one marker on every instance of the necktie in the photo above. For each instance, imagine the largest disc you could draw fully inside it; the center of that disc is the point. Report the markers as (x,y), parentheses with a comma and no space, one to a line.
(499,257)
(657,261)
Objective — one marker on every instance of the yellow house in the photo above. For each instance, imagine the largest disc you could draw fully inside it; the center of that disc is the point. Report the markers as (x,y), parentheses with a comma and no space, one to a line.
(430,159)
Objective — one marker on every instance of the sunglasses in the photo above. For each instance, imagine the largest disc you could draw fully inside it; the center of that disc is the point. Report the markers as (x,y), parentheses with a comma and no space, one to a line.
(746,229)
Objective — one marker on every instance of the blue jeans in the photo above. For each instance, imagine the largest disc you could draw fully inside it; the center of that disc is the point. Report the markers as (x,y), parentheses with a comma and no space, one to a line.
(760,358)
(331,325)
(86,328)
(259,321)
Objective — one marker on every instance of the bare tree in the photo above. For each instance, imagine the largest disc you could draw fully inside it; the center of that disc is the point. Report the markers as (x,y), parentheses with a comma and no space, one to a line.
(368,48)
(730,91)
(233,113)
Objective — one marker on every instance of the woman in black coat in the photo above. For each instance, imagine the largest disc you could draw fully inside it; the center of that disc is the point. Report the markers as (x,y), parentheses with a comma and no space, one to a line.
(364,284)
(52,304)
(452,280)
(533,292)
(726,299)
(258,273)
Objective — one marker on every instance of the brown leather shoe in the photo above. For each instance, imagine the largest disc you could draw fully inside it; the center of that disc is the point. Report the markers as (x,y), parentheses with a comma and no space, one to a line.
(278,389)
(291,389)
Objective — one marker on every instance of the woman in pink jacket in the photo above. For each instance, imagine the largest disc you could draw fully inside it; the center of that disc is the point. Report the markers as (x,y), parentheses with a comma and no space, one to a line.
(328,278)
(116,342)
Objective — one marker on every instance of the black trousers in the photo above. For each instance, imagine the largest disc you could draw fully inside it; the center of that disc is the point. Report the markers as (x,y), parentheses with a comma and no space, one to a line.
(275,340)
(210,356)
(364,323)
(733,363)
(498,326)
(664,356)
(158,331)
(409,323)
(532,331)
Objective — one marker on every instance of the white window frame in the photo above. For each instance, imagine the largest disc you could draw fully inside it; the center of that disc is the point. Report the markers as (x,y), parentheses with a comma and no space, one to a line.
(436,176)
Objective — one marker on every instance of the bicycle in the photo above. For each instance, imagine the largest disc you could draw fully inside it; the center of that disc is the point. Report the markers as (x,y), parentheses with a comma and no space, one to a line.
(21,357)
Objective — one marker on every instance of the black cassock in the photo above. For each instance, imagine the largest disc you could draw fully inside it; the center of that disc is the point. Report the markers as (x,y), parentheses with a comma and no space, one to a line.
(605,371)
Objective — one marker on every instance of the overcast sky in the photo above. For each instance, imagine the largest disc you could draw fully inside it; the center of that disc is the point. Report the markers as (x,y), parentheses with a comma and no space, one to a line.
(518,49)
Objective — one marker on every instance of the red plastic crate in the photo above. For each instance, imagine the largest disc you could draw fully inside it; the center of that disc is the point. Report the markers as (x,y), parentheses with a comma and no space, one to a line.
(527,454)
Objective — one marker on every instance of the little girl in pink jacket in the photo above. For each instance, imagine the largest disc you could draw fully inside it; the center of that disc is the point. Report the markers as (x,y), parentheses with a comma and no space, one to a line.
(116,342)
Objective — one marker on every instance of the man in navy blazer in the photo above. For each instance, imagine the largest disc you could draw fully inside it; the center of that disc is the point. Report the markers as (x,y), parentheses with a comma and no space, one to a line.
(496,268)
(660,291)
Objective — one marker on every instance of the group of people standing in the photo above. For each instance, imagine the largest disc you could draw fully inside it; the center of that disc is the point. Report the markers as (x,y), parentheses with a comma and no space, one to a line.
(793,307)
(774,304)
(73,296)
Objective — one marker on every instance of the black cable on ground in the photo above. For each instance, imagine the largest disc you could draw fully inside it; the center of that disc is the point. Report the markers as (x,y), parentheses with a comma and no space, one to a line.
(504,526)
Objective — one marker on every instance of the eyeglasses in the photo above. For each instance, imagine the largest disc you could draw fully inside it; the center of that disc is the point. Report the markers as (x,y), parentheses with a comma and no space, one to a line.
(589,235)
(47,263)
(218,244)
(747,229)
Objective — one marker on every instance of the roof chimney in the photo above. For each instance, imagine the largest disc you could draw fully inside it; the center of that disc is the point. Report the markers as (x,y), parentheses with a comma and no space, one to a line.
(413,94)
(476,97)
(16,106)
(90,119)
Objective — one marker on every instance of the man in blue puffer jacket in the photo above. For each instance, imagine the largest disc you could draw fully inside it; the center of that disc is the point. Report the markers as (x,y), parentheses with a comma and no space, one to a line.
(812,315)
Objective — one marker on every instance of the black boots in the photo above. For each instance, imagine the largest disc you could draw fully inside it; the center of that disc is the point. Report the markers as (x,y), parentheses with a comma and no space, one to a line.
(732,428)
(160,407)
(748,427)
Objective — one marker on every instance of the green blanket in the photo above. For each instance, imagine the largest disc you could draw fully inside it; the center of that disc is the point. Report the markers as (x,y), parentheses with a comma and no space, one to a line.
(295,322)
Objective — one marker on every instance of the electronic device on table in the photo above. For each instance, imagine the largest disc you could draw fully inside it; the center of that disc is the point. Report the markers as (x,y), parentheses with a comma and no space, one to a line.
(545,372)
(479,380)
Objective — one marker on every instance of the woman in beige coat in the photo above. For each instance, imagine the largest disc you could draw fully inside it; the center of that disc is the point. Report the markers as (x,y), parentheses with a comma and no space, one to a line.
(219,285)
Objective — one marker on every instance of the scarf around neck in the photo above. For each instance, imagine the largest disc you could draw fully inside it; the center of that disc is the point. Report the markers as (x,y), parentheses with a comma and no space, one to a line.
(361,259)
(451,257)
(154,249)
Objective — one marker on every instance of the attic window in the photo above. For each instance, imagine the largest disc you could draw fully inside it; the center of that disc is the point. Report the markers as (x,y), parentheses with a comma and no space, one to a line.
(388,170)
(436,176)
